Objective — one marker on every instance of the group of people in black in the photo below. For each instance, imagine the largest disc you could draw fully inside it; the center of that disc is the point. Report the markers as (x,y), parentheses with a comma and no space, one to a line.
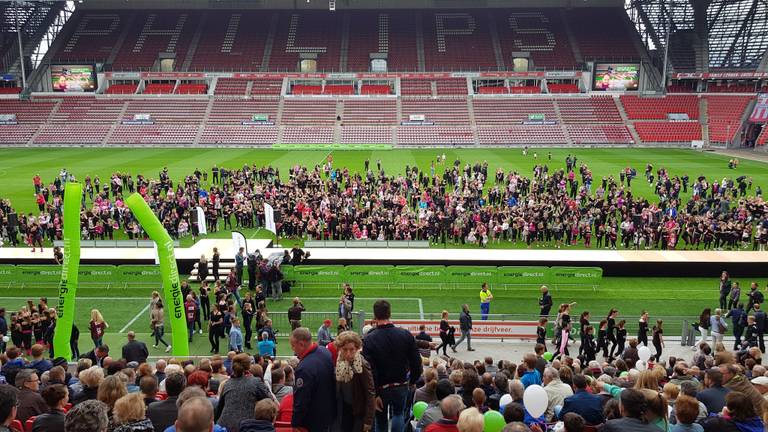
(554,207)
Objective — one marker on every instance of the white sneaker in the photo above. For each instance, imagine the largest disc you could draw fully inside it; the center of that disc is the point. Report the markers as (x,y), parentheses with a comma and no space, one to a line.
(154,346)
(168,348)
(201,331)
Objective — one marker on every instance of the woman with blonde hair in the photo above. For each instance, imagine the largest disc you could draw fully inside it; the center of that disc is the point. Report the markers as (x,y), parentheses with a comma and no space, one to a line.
(97,326)
(427,392)
(470,420)
(110,390)
(354,385)
(91,380)
(130,414)
(647,380)
(446,333)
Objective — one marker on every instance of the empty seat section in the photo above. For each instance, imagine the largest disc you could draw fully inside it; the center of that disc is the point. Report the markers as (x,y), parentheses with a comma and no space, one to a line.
(681,88)
(562,88)
(542,35)
(240,134)
(158,89)
(17,134)
(439,111)
(366,135)
(10,90)
(525,89)
(725,113)
(303,89)
(654,108)
(335,89)
(307,135)
(309,32)
(192,89)
(599,134)
(121,89)
(154,134)
(511,111)
(679,132)
(232,111)
(451,87)
(375,89)
(369,33)
(521,134)
(232,41)
(141,51)
(267,87)
(88,110)
(94,35)
(415,87)
(27,111)
(602,33)
(762,139)
(457,40)
(492,90)
(231,87)
(168,111)
(434,135)
(402,53)
(732,88)
(369,112)
(589,110)
(72,133)
(309,112)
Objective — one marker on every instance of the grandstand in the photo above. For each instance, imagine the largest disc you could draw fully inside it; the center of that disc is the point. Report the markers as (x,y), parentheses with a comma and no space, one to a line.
(474,76)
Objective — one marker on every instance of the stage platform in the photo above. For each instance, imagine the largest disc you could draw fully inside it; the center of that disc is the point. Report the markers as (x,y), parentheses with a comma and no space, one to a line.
(613,262)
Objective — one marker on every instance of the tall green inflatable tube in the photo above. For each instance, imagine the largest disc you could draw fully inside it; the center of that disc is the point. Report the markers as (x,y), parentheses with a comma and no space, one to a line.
(174,304)
(68,285)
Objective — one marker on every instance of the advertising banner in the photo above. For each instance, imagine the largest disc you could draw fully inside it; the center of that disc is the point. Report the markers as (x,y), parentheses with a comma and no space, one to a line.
(419,274)
(73,78)
(168,269)
(470,274)
(139,273)
(480,329)
(65,309)
(522,275)
(313,273)
(575,275)
(269,219)
(371,273)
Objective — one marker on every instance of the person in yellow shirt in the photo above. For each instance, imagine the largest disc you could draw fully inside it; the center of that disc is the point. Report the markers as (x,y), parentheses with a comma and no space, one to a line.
(485,301)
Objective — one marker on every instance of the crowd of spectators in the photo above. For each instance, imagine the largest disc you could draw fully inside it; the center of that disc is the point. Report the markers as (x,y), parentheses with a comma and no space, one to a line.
(450,203)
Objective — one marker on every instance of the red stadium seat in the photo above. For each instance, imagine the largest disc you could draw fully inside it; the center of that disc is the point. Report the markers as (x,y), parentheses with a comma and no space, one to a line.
(28,425)
(17,426)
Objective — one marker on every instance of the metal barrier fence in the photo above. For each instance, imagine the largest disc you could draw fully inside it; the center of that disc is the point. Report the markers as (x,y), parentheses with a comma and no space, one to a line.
(453,286)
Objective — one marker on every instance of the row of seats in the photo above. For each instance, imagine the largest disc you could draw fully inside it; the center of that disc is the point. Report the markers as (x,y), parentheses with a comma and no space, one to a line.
(668,132)
(122,88)
(762,139)
(724,113)
(657,108)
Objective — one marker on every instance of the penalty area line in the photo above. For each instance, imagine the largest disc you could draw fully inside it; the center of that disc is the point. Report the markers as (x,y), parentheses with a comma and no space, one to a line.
(138,315)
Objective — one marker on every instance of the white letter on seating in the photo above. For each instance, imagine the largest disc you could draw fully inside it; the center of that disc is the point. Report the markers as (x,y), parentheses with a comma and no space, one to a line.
(292,31)
(232,28)
(440,19)
(147,31)
(82,29)
(549,45)
(383,33)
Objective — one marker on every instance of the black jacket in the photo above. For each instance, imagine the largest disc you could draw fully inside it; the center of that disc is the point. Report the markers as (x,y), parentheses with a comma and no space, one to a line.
(251,425)
(392,354)
(52,421)
(314,391)
(135,351)
(465,321)
(163,413)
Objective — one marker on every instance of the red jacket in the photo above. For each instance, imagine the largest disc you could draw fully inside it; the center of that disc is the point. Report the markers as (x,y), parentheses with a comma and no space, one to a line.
(442,425)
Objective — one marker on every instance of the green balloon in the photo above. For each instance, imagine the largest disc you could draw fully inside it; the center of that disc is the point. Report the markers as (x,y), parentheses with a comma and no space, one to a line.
(493,421)
(418,409)
(548,356)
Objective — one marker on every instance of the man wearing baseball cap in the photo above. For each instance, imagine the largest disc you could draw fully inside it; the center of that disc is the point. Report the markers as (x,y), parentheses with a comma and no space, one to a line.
(324,333)
(761,384)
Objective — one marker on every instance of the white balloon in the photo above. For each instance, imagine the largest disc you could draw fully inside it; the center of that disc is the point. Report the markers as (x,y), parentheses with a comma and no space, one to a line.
(535,400)
(641,366)
(644,353)
(504,401)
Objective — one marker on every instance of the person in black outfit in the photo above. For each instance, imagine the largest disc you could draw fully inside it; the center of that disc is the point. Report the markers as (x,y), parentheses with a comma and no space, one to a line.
(215,260)
(202,269)
(750,334)
(642,330)
(55,396)
(754,297)
(314,394)
(658,339)
(248,313)
(545,302)
(610,329)
(760,322)
(583,324)
(216,327)
(739,321)
(135,350)
(446,334)
(725,289)
(589,346)
(205,301)
(395,364)
(602,337)
(252,268)
(621,338)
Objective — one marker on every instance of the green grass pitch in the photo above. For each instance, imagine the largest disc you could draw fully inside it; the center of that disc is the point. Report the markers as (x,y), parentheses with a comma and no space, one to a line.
(672,299)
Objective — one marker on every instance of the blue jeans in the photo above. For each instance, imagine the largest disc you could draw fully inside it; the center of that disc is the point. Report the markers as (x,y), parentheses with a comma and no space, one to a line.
(236,294)
(97,342)
(485,308)
(393,399)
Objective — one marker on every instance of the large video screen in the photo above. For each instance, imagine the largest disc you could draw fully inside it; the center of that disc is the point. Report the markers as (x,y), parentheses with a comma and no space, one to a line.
(616,76)
(73,78)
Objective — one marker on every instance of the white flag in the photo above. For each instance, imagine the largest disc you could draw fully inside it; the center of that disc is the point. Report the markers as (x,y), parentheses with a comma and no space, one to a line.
(269,218)
(201,226)
(238,241)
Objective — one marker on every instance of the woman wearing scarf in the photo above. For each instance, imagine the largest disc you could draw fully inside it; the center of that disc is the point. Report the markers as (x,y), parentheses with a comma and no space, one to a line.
(354,385)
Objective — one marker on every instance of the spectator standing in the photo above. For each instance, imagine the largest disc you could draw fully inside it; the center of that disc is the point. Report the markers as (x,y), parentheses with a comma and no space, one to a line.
(446,334)
(294,313)
(266,346)
(239,264)
(314,394)
(135,351)
(395,364)
(760,323)
(545,302)
(202,269)
(215,261)
(97,326)
(239,395)
(235,337)
(738,322)
(355,392)
(158,326)
(324,333)
(725,290)
(465,325)
(718,326)
(485,301)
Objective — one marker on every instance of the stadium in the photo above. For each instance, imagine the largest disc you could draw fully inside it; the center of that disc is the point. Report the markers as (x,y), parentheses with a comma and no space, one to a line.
(300,161)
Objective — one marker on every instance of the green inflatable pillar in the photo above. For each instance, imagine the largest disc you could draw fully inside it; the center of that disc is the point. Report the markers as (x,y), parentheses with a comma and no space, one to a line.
(174,303)
(65,310)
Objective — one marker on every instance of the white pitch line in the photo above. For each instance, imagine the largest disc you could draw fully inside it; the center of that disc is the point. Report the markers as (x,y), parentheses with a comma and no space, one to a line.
(143,311)
(84,298)
(421,308)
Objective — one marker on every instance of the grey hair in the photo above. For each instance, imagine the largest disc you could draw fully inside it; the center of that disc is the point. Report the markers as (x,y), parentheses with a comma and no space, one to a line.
(88,416)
